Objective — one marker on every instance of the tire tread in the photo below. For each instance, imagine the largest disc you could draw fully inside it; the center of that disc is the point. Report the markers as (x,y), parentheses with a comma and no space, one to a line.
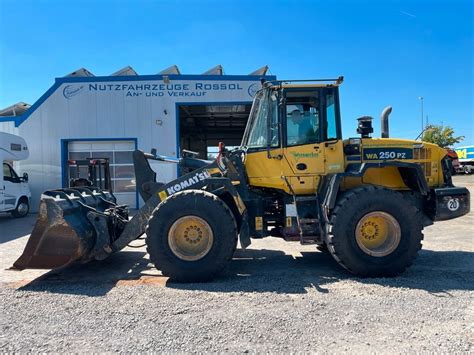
(341,205)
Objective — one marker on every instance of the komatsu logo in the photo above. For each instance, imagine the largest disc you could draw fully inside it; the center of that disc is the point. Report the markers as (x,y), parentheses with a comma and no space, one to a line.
(183,185)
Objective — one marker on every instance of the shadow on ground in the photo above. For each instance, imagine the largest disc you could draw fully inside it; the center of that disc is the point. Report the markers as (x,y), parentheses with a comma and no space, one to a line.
(16,227)
(264,270)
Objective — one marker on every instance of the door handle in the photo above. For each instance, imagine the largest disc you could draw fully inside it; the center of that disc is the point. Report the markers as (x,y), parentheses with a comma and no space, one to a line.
(301,166)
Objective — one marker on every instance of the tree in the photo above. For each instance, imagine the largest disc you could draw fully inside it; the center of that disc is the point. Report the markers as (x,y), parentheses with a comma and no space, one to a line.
(441,135)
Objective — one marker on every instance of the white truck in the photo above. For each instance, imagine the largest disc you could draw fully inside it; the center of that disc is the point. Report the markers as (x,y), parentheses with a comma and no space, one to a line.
(14,191)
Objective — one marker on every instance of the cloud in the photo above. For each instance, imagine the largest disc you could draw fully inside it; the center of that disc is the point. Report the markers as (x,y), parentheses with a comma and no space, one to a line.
(407,14)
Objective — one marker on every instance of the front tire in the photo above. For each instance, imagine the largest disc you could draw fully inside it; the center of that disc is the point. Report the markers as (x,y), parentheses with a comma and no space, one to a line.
(191,236)
(22,208)
(374,232)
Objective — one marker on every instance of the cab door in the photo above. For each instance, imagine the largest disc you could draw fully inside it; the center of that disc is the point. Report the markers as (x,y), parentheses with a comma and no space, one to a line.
(312,145)
(262,140)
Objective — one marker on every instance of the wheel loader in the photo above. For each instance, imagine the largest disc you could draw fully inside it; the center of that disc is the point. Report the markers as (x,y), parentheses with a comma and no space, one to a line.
(364,200)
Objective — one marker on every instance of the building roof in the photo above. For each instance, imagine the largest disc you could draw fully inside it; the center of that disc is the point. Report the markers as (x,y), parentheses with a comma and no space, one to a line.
(217,70)
(260,71)
(125,71)
(170,70)
(19,112)
(79,72)
(15,110)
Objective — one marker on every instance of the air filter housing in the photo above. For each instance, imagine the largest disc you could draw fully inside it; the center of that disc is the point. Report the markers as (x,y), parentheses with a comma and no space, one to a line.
(364,126)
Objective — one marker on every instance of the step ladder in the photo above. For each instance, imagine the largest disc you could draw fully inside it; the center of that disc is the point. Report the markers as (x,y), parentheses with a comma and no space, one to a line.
(310,228)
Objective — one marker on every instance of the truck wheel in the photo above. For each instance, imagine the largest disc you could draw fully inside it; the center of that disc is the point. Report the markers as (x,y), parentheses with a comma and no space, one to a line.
(374,232)
(22,208)
(191,236)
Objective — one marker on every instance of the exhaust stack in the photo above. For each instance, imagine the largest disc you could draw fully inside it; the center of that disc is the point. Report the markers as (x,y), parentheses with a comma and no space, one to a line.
(384,121)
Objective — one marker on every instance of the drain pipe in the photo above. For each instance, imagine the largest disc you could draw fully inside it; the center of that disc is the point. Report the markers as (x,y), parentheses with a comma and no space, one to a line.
(384,121)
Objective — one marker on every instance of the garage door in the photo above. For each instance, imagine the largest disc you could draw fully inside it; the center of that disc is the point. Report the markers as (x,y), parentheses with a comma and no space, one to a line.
(119,154)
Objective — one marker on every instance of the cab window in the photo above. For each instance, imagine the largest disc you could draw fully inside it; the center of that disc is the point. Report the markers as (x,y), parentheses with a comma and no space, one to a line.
(302,117)
(264,113)
(331,123)
(274,125)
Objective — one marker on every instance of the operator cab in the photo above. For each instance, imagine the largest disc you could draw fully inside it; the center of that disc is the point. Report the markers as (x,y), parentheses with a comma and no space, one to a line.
(293,115)
(294,131)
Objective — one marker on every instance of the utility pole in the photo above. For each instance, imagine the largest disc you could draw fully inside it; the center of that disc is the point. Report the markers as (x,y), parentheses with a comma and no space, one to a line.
(422,124)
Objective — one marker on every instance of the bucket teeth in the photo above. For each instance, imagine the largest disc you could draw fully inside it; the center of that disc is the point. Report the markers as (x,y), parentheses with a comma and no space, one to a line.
(63,232)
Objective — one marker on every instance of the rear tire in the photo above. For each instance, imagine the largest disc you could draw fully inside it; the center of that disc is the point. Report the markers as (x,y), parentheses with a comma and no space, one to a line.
(182,217)
(22,208)
(374,232)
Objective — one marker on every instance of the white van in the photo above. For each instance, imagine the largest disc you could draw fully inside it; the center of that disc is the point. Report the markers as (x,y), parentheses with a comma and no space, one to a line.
(14,191)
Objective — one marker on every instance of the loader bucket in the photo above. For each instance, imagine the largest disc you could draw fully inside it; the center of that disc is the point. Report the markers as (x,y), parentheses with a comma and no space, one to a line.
(63,232)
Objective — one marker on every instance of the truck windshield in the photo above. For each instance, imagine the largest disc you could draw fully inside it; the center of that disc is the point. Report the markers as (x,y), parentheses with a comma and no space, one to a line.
(9,174)
(255,135)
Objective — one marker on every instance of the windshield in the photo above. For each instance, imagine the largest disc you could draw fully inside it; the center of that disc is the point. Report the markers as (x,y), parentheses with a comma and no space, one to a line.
(254,114)
(265,105)
(8,173)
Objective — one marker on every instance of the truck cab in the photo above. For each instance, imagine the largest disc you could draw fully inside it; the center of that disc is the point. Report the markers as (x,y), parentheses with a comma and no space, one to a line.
(14,190)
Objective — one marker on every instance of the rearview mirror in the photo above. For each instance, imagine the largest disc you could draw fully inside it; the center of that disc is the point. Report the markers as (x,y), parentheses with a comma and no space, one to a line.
(25,177)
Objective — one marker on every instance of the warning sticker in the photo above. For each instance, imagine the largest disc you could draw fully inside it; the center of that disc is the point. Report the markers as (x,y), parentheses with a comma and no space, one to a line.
(162,195)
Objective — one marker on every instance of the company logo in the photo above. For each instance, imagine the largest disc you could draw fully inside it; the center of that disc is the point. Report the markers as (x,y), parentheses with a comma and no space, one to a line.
(253,89)
(183,185)
(299,156)
(70,90)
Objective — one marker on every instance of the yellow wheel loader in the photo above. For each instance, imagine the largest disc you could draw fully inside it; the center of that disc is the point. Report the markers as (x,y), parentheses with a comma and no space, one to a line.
(364,200)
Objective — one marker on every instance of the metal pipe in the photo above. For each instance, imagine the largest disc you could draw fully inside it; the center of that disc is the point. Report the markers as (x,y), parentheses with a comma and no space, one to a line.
(384,121)
(422,126)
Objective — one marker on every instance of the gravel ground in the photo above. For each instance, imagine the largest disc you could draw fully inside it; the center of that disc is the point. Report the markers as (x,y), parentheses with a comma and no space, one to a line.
(274,297)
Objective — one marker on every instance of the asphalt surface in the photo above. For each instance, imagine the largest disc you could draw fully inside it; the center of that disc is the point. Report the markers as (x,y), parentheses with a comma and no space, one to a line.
(273,297)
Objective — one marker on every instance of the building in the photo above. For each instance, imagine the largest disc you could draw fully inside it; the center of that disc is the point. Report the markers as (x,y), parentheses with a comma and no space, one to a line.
(82,115)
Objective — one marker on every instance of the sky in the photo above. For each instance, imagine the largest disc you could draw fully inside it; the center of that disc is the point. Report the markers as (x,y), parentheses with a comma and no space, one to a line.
(390,52)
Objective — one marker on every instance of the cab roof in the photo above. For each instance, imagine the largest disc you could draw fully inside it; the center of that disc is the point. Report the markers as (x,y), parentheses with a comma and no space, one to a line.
(307,83)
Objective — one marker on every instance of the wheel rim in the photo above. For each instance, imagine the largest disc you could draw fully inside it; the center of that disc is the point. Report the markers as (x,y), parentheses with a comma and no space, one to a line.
(22,208)
(378,234)
(190,238)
